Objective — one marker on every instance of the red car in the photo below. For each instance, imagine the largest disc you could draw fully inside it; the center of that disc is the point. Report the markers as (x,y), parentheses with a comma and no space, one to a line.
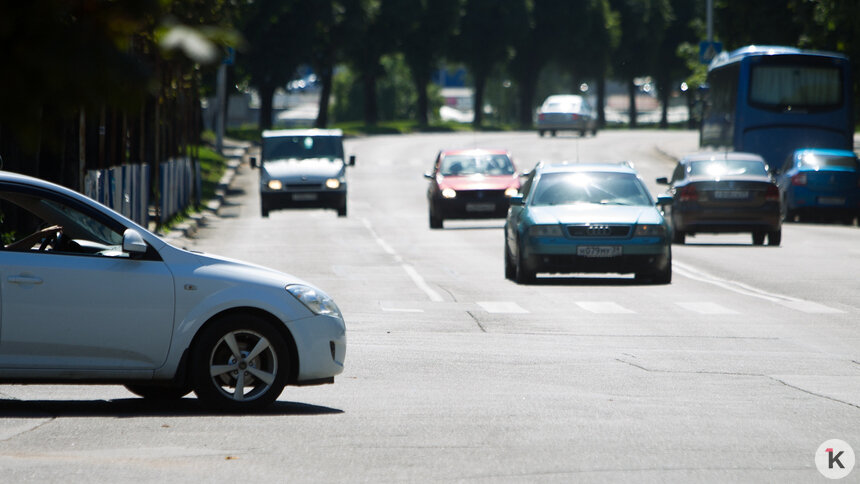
(468,184)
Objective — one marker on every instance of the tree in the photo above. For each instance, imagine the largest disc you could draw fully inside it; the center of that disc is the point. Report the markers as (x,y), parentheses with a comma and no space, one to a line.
(670,65)
(533,37)
(276,34)
(484,41)
(643,23)
(369,38)
(423,30)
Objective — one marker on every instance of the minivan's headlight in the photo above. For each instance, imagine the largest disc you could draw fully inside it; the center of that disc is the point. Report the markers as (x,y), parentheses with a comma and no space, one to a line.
(650,230)
(511,191)
(275,184)
(449,193)
(332,183)
(545,231)
(315,300)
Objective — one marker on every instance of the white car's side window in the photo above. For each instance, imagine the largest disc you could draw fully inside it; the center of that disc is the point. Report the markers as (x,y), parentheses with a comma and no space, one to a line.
(31,221)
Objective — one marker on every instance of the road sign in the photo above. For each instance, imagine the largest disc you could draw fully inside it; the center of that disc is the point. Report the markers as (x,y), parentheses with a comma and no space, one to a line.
(709,50)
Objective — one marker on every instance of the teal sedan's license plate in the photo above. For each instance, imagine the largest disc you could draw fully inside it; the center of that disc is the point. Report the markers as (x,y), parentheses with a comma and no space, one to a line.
(598,250)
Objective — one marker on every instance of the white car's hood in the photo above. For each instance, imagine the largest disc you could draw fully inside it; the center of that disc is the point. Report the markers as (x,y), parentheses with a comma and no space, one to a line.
(309,168)
(244,271)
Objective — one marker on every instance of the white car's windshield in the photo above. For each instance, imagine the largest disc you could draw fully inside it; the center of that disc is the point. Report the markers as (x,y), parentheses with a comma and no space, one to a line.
(301,147)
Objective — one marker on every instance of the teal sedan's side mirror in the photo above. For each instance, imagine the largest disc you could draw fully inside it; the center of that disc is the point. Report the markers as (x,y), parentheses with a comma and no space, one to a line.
(517,200)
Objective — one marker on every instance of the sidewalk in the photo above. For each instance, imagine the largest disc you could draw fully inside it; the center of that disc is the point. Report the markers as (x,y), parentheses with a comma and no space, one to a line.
(235,152)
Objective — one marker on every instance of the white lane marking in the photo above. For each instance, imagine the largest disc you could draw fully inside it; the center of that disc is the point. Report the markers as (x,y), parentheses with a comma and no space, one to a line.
(502,307)
(402,310)
(810,307)
(419,281)
(410,271)
(706,308)
(603,307)
(747,290)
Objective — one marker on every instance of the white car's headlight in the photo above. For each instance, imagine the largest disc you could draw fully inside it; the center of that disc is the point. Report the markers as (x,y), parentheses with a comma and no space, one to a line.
(315,300)
(275,184)
(332,183)
(544,231)
(650,230)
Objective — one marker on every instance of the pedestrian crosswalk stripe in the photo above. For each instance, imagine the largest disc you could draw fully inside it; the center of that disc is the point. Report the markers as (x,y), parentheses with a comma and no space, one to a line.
(706,308)
(502,307)
(603,307)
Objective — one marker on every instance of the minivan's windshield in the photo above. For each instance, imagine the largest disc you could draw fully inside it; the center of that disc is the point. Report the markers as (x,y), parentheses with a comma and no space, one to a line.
(605,188)
(300,147)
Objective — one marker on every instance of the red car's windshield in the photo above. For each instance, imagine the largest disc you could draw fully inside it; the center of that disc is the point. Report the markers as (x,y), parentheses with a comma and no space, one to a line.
(484,164)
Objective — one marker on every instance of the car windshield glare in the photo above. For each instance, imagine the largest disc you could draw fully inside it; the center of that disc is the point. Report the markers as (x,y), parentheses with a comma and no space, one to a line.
(604,188)
(818,161)
(300,147)
(718,168)
(461,165)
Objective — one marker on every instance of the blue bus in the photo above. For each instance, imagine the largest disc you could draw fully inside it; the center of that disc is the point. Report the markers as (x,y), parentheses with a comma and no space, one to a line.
(773,100)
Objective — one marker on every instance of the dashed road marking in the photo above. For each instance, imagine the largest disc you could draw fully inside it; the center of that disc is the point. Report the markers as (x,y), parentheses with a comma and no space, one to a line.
(706,308)
(604,307)
(410,271)
(508,307)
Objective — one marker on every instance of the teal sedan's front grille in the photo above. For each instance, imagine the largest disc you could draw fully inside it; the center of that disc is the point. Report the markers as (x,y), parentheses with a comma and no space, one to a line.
(599,230)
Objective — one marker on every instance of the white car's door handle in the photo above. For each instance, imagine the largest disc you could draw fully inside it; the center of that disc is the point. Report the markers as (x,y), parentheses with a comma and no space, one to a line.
(24,280)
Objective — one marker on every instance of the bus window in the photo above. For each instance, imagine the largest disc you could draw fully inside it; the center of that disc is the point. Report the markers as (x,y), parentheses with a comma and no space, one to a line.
(795,87)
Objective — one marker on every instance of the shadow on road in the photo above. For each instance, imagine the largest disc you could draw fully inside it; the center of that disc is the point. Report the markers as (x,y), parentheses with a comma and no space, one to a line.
(587,281)
(139,407)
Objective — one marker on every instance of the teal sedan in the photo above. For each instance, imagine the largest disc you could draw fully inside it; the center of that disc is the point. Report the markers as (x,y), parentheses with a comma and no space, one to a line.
(587,218)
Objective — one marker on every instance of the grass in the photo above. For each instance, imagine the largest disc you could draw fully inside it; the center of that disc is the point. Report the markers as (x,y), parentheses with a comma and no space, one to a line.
(212,168)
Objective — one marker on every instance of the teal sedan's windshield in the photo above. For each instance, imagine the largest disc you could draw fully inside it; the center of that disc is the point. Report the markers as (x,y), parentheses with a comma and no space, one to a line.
(605,188)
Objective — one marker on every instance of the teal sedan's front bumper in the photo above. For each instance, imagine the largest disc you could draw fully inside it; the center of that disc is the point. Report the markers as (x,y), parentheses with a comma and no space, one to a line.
(599,255)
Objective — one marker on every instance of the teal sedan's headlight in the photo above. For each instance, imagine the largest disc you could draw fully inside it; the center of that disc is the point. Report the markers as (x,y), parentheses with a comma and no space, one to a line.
(650,230)
(317,301)
(544,231)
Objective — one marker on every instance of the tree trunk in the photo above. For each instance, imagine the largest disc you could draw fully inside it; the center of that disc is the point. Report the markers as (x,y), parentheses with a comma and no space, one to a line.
(664,92)
(601,101)
(478,106)
(326,79)
(371,109)
(267,94)
(421,86)
(631,90)
(527,93)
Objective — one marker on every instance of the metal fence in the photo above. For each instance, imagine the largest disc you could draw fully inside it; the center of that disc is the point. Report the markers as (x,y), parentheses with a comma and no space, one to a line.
(125,189)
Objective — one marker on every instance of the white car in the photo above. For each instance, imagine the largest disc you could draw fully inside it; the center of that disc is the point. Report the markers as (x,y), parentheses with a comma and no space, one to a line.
(303,168)
(91,297)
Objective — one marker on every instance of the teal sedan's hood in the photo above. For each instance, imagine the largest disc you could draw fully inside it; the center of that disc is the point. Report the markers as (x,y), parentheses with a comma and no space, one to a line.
(594,213)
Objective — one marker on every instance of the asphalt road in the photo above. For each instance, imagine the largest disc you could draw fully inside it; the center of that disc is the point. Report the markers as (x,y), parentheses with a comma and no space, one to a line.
(737,371)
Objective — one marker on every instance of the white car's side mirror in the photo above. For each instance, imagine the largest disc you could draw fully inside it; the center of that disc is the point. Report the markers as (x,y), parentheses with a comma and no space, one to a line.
(132,242)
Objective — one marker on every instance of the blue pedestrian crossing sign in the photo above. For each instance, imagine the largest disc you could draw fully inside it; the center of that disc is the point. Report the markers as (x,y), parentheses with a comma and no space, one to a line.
(709,50)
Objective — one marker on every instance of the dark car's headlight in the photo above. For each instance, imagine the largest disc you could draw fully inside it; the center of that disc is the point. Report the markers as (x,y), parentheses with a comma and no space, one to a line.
(315,300)
(650,230)
(544,231)
(275,185)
